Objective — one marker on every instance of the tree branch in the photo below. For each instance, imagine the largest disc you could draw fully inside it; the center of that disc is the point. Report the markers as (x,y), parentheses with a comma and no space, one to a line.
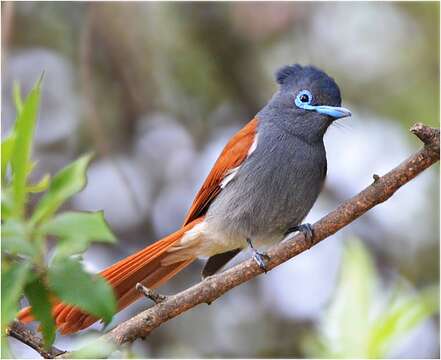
(20,332)
(382,188)
(213,287)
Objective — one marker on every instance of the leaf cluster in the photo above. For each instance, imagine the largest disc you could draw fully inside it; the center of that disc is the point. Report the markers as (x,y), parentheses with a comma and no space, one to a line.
(26,270)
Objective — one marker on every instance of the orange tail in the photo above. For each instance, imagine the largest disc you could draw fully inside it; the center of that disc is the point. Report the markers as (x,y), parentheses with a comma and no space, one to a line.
(146,266)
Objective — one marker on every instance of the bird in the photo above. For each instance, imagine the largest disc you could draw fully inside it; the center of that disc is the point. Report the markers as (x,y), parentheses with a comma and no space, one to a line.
(261,187)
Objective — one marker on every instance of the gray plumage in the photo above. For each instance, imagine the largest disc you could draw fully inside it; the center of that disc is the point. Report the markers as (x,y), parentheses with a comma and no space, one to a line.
(277,185)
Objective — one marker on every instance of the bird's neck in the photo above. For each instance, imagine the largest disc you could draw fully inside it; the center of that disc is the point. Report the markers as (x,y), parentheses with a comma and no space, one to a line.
(308,128)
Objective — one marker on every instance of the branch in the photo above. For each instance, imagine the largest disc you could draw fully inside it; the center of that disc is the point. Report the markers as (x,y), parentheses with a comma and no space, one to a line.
(20,332)
(215,286)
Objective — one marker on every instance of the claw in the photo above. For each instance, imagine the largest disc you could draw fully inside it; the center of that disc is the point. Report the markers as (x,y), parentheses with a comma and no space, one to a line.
(306,229)
(260,258)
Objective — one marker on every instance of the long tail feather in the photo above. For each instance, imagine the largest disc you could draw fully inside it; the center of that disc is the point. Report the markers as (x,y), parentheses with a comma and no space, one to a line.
(146,266)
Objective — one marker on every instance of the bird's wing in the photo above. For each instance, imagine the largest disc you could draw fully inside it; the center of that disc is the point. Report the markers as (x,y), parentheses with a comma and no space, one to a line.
(232,156)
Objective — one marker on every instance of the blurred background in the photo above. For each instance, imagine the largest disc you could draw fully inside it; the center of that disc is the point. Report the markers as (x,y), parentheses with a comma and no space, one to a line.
(156,90)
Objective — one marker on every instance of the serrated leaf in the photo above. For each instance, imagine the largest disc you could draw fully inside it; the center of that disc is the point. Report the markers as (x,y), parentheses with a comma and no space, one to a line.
(39,299)
(73,285)
(40,186)
(24,131)
(15,238)
(64,184)
(14,279)
(77,230)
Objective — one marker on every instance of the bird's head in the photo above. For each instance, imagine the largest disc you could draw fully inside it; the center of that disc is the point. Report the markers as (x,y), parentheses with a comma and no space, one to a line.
(307,102)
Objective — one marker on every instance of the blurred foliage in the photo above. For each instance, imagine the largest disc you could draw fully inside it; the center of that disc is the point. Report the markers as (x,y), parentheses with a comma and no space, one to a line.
(178,78)
(362,322)
(24,233)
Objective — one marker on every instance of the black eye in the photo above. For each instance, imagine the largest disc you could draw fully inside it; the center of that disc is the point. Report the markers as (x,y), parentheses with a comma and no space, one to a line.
(304,98)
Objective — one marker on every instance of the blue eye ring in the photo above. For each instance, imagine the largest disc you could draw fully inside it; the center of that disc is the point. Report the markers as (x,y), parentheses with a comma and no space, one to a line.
(304,99)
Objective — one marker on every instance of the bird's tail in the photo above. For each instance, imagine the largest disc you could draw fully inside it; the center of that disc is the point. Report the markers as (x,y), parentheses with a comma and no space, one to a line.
(152,266)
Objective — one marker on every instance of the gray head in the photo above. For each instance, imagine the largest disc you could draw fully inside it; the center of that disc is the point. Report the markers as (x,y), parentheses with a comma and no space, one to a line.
(307,102)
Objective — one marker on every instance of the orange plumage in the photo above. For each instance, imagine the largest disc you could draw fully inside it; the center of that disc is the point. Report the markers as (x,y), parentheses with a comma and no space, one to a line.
(150,266)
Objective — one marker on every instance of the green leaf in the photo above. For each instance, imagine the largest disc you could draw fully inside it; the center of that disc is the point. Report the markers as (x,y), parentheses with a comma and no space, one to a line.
(24,131)
(88,224)
(77,230)
(96,348)
(40,186)
(15,238)
(355,295)
(73,285)
(64,184)
(7,150)
(16,94)
(400,317)
(349,311)
(7,203)
(14,279)
(39,299)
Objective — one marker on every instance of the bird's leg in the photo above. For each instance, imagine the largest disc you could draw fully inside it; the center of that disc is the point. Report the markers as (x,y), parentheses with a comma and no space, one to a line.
(306,229)
(260,258)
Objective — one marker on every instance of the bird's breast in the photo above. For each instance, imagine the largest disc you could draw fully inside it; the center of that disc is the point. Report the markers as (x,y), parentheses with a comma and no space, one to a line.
(272,190)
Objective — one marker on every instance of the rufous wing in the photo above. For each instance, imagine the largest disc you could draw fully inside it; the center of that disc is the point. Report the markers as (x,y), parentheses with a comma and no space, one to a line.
(232,156)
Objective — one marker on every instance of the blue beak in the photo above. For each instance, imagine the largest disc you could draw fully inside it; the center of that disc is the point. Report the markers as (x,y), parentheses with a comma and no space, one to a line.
(333,111)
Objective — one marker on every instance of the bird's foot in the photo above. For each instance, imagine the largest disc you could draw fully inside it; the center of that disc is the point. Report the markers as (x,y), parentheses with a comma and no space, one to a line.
(261,258)
(306,229)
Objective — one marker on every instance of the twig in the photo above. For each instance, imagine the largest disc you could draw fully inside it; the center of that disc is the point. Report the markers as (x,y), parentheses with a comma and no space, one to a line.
(213,287)
(20,332)
(151,294)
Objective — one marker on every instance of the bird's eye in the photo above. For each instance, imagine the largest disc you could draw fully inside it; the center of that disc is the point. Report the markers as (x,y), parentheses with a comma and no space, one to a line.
(303,99)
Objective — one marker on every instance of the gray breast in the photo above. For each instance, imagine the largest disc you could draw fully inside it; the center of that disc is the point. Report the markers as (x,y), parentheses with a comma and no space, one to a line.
(273,189)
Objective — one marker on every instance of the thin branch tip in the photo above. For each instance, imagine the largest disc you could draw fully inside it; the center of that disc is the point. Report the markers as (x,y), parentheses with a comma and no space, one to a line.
(150,293)
(428,135)
(19,332)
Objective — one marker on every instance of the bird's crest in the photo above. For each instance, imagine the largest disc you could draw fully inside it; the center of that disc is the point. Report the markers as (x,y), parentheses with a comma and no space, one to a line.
(286,72)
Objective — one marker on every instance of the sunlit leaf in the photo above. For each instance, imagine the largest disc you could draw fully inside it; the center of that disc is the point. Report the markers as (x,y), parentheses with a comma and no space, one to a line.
(39,299)
(72,284)
(13,281)
(354,295)
(24,131)
(18,101)
(400,317)
(40,186)
(361,322)
(64,184)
